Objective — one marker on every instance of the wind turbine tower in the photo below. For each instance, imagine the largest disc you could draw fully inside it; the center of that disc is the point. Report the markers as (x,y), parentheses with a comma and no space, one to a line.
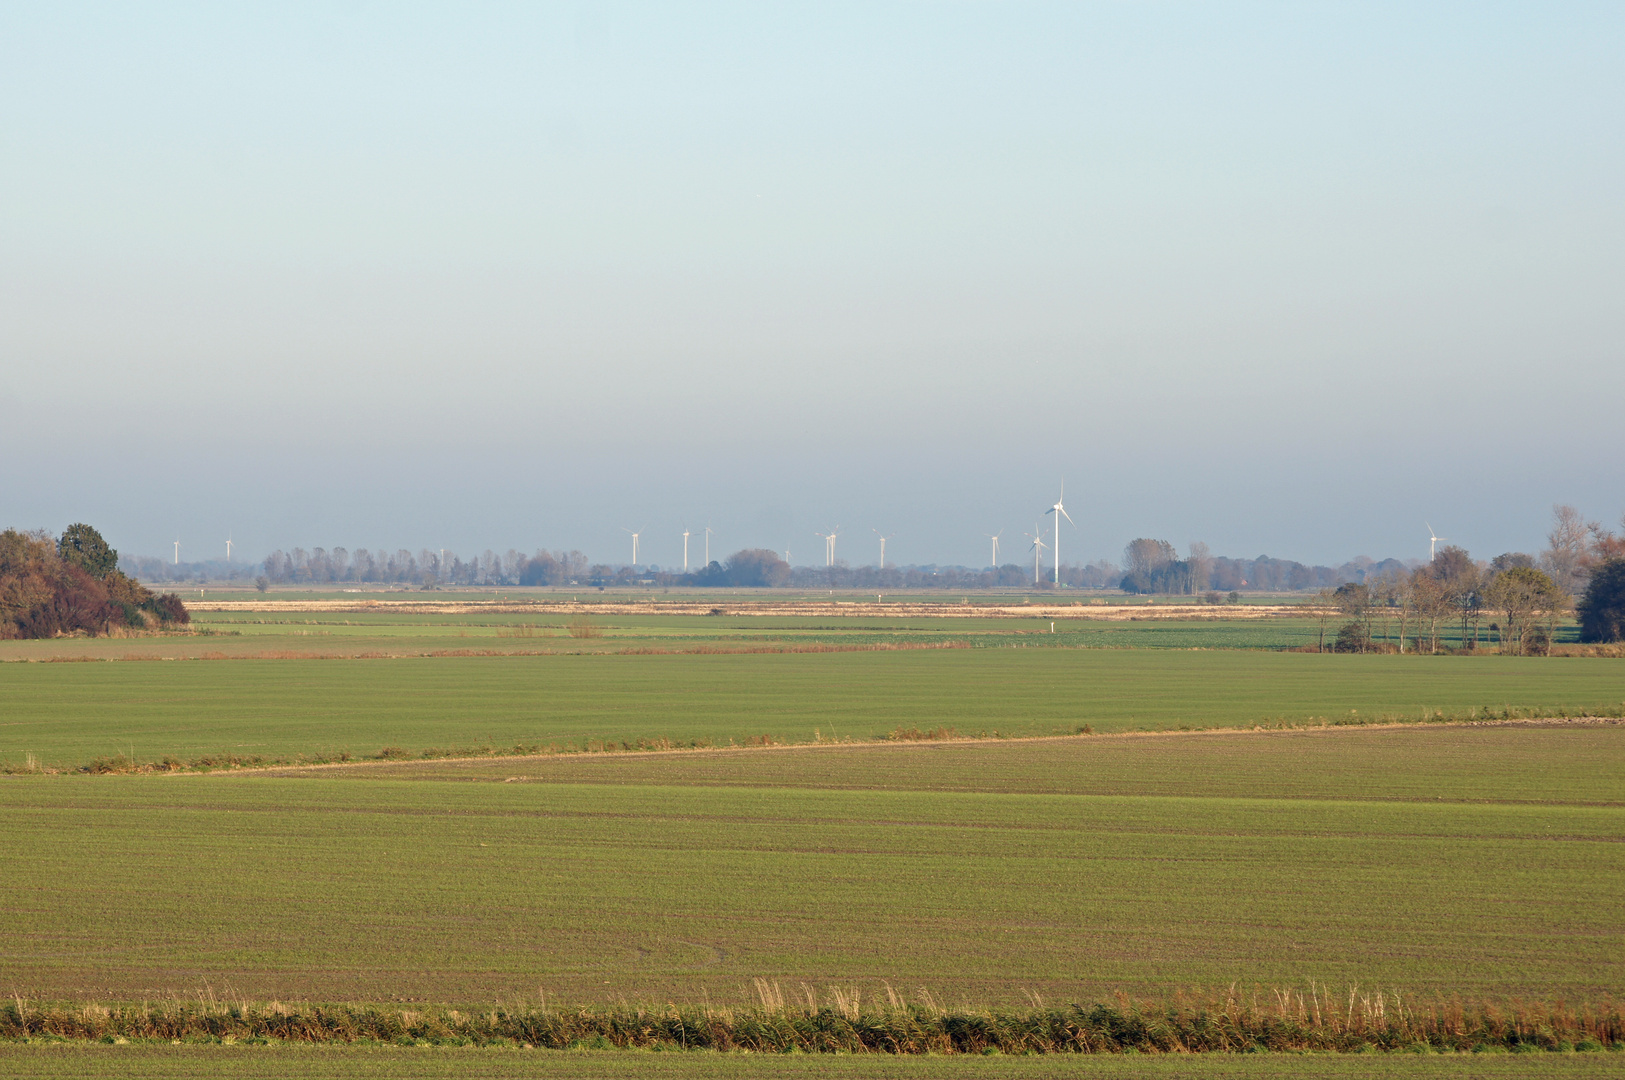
(708,545)
(1038,547)
(228,548)
(883,540)
(685,551)
(177,553)
(635,534)
(1432,541)
(1059,511)
(995,538)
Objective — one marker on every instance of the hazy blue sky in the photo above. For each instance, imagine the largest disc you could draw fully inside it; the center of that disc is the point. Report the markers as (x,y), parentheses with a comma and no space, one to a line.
(1286,278)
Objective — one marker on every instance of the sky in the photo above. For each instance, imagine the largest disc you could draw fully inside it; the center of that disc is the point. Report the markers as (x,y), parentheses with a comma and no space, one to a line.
(1288,278)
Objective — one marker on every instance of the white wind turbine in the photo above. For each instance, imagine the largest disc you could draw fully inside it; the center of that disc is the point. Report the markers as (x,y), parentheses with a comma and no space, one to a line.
(1432,541)
(708,545)
(995,538)
(635,534)
(833,534)
(685,551)
(1037,549)
(1060,512)
(177,553)
(829,539)
(228,548)
(883,540)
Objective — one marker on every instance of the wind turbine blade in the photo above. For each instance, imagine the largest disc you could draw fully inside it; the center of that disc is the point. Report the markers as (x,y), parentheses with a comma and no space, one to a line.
(1067,516)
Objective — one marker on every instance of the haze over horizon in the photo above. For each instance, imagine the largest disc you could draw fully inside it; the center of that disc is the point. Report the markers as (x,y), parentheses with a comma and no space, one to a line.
(1284,280)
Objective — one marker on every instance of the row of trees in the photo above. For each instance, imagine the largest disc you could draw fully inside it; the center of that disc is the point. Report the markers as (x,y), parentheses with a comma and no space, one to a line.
(1154,566)
(72,584)
(1408,608)
(323,566)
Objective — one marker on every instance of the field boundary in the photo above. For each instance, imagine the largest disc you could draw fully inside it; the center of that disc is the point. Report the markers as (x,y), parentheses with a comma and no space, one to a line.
(903,743)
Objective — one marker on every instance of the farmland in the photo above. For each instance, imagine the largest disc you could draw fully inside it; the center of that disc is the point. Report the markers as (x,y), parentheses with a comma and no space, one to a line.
(1238,816)
(680,876)
(68,714)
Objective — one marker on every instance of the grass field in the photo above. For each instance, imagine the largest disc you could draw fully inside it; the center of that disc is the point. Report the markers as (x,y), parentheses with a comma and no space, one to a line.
(919,866)
(395,1063)
(68,714)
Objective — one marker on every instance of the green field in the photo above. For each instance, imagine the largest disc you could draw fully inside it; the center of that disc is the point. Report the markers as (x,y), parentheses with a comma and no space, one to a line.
(528,626)
(395,1063)
(1498,875)
(68,714)
(1440,861)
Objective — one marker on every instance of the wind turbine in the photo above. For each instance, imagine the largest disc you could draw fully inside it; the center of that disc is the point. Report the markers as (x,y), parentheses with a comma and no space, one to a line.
(1432,541)
(995,538)
(708,545)
(685,551)
(1037,549)
(1060,512)
(883,540)
(228,547)
(828,537)
(833,534)
(635,534)
(177,553)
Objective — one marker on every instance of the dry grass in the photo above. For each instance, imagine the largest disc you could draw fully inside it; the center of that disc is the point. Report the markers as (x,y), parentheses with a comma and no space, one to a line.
(845,1020)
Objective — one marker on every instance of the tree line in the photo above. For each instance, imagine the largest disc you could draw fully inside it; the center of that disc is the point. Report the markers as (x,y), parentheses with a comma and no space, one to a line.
(1516,598)
(72,585)
(424,568)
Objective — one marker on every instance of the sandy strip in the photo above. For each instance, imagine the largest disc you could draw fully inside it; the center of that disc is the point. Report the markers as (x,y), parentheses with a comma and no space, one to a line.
(840,609)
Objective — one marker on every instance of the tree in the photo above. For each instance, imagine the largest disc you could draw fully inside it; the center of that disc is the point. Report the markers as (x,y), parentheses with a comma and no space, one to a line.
(1520,594)
(1567,546)
(1458,576)
(1200,561)
(756,568)
(1325,609)
(47,589)
(1397,592)
(1354,601)
(1432,605)
(1602,609)
(83,546)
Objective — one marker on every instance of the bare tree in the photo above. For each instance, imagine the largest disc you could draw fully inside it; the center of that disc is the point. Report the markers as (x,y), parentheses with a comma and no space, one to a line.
(1568,545)
(1398,595)
(1432,604)
(1326,609)
(1200,561)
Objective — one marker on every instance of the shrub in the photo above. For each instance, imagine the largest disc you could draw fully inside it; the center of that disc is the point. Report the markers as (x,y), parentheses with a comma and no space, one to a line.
(1352,637)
